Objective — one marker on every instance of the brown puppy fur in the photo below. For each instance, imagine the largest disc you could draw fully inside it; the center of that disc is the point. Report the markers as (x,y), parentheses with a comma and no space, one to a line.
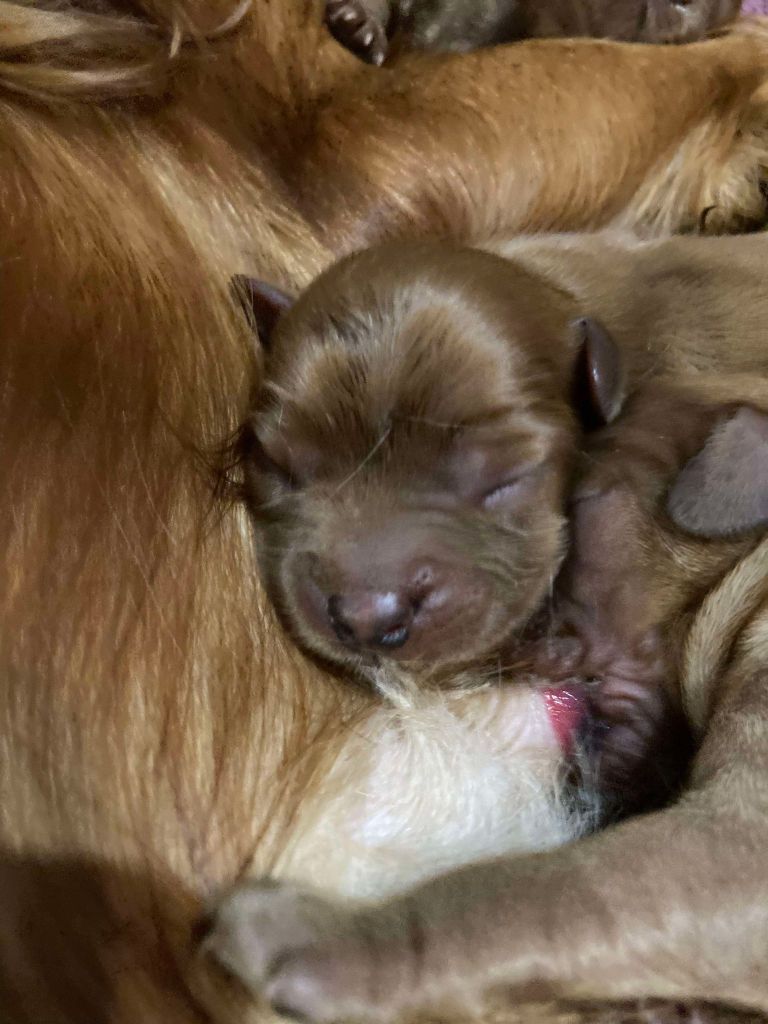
(160,736)
(367,27)
(666,550)
(408,461)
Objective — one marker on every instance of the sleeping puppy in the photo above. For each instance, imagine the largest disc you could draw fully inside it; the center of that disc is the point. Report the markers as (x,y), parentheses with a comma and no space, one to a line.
(666,570)
(366,27)
(408,460)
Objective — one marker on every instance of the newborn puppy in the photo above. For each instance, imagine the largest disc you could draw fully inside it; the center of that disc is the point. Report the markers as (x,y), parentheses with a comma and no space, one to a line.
(366,27)
(408,462)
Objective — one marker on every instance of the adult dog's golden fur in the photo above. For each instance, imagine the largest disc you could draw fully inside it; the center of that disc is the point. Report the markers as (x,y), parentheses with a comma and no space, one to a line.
(159,735)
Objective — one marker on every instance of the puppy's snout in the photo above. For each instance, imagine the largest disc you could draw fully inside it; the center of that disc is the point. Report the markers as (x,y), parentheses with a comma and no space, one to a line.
(398,610)
(372,618)
(395,595)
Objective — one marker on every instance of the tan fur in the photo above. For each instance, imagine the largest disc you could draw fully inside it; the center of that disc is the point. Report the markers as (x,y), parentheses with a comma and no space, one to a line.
(159,735)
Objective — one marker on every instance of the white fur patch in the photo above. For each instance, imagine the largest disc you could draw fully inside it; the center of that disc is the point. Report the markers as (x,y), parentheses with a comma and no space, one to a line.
(447,781)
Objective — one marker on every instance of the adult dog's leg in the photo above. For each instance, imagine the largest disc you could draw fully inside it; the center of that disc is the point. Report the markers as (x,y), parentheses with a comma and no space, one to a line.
(674,905)
(543,135)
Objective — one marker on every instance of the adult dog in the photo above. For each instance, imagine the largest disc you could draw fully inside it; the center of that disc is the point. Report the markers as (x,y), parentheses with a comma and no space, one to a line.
(160,736)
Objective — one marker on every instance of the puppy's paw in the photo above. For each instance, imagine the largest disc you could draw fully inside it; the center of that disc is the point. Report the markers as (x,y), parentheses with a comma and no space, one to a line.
(300,953)
(356,26)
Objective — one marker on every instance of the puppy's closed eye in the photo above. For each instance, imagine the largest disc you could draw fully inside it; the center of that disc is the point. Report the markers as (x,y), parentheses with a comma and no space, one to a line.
(492,471)
(515,488)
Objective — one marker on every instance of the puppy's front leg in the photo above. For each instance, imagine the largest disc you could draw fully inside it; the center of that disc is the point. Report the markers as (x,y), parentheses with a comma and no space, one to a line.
(674,905)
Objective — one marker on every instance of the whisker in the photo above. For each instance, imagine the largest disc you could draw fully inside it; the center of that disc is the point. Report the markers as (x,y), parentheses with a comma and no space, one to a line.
(382,440)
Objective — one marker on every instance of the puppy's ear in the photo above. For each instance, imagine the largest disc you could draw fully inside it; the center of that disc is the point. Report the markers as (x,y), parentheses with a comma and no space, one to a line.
(263,304)
(599,385)
(723,491)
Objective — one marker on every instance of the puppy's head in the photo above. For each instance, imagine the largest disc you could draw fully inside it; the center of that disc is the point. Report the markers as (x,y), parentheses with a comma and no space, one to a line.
(409,454)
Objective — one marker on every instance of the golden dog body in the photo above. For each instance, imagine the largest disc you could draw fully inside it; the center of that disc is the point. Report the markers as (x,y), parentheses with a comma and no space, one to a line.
(160,736)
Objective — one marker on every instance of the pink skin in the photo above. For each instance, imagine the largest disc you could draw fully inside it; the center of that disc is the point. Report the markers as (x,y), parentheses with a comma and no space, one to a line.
(567,710)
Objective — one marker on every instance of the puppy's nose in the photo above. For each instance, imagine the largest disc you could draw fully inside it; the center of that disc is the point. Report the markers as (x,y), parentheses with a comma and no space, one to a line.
(369,618)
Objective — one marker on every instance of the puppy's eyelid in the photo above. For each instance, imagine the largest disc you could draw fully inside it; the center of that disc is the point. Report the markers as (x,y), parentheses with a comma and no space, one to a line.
(510,486)
(497,496)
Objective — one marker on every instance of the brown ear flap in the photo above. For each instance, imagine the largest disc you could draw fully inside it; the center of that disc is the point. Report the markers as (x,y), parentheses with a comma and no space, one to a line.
(263,304)
(723,490)
(599,377)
